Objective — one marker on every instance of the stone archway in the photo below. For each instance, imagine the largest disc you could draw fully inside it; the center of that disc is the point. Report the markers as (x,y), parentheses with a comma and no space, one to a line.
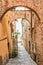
(31,9)
(22,16)
(27,14)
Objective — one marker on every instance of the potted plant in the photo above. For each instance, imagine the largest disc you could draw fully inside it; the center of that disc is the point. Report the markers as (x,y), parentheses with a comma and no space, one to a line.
(15,52)
(15,49)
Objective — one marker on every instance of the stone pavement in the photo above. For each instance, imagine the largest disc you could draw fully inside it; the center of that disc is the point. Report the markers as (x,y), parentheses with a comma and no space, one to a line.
(23,58)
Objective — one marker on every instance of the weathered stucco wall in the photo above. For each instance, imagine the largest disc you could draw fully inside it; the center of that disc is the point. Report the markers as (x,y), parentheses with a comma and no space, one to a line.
(7,29)
(4,55)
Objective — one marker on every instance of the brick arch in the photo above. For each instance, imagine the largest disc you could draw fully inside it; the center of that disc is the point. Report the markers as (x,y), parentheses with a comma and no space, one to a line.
(19,6)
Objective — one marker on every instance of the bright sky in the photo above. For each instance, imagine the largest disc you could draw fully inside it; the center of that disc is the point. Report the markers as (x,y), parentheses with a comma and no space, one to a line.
(19,27)
(21,8)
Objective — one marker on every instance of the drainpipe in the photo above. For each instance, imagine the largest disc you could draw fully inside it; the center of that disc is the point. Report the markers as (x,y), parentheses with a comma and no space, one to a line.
(31,30)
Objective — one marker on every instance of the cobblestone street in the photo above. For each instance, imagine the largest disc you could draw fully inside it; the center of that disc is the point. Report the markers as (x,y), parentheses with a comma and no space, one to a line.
(23,58)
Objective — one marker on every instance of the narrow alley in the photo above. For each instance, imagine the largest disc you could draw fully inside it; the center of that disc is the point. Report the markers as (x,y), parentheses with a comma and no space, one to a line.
(21,32)
(23,57)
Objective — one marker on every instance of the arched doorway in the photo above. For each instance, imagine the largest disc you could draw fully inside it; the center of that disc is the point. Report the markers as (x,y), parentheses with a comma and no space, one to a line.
(24,13)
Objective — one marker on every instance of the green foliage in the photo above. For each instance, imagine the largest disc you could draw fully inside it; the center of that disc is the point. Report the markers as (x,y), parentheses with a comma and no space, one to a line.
(16,34)
(15,52)
(22,24)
